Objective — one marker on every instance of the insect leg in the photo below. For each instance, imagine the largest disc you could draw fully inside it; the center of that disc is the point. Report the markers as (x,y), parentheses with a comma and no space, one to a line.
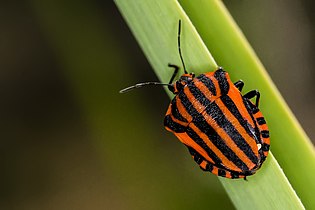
(239,84)
(176,68)
(252,94)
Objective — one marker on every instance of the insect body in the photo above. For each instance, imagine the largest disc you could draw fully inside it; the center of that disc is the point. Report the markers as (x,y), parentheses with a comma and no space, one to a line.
(224,131)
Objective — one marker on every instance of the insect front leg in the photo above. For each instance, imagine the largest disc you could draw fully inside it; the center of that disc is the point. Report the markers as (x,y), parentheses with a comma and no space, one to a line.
(176,68)
(252,94)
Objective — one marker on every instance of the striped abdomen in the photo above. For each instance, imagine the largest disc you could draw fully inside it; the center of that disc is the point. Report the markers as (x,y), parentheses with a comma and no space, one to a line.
(225,133)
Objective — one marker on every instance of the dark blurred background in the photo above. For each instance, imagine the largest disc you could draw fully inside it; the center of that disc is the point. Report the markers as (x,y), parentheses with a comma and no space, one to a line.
(70,141)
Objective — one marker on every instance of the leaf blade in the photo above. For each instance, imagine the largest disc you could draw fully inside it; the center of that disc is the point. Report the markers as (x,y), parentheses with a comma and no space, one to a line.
(288,140)
(199,60)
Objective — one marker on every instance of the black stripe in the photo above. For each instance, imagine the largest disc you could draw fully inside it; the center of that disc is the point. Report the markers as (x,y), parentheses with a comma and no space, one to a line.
(220,75)
(177,128)
(215,112)
(188,105)
(208,83)
(197,157)
(191,150)
(201,123)
(234,175)
(265,133)
(201,98)
(265,147)
(179,86)
(221,172)
(261,156)
(175,112)
(261,120)
(227,101)
(209,167)
(255,110)
(192,134)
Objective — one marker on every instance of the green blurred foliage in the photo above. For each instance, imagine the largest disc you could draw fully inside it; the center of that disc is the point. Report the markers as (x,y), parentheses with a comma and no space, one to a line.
(70,141)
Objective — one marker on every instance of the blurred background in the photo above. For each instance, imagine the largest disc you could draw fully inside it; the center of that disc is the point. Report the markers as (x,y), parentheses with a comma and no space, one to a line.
(70,141)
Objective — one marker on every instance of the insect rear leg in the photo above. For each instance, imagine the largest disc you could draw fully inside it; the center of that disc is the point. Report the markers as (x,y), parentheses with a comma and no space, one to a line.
(239,84)
(252,94)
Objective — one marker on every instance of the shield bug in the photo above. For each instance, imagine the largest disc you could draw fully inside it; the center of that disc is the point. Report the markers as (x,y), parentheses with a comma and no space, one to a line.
(224,131)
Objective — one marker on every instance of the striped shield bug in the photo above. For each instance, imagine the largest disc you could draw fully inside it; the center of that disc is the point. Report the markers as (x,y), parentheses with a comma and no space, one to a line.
(224,131)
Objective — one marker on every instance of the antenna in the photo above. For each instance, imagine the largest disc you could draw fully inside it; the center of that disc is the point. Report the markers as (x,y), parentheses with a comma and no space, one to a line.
(179,49)
(141,85)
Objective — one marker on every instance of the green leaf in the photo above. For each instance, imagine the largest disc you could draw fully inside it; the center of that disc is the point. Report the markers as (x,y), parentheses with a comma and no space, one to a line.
(289,143)
(156,29)
(154,24)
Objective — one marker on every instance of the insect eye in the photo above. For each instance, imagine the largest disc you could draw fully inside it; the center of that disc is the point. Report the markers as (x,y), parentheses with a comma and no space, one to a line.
(184,79)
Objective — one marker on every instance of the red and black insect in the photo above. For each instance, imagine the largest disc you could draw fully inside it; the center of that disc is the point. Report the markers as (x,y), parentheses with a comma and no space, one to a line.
(224,131)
